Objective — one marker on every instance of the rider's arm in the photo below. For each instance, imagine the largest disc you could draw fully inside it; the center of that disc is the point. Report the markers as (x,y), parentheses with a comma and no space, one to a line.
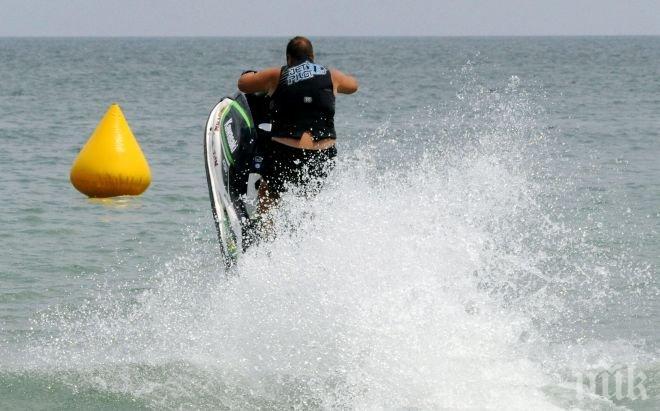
(264,80)
(343,83)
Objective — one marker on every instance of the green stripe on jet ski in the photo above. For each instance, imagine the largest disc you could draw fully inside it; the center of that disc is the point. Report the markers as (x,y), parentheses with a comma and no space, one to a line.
(246,118)
(225,144)
(242,112)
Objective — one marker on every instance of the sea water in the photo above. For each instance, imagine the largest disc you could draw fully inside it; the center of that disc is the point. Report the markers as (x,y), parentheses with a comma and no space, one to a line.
(488,239)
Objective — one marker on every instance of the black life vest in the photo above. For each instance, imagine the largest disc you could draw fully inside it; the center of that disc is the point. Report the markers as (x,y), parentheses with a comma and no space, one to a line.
(304,100)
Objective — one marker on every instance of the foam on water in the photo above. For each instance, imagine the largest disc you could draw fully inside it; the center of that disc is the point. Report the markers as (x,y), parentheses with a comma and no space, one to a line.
(451,280)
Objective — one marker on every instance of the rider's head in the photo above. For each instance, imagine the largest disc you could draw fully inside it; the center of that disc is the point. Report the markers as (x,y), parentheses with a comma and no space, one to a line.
(299,49)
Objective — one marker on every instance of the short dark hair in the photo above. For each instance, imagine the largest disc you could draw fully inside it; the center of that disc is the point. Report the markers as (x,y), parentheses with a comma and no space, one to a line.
(300,48)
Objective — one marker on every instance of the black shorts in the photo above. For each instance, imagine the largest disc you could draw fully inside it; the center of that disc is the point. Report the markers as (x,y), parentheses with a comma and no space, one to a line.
(289,166)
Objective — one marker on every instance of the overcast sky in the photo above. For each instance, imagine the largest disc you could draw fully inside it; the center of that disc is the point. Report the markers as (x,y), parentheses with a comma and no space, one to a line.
(327,17)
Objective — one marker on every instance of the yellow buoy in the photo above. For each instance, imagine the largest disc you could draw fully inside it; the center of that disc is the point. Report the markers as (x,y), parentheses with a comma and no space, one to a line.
(111,163)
